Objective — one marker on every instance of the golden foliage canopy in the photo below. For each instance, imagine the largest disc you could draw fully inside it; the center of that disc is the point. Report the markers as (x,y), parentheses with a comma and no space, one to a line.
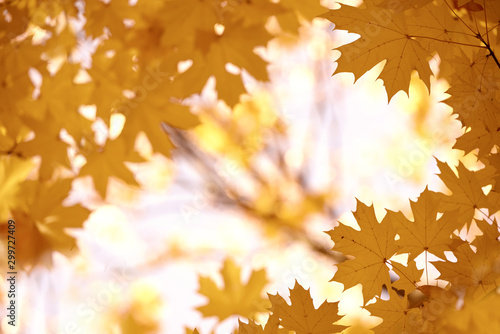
(141,60)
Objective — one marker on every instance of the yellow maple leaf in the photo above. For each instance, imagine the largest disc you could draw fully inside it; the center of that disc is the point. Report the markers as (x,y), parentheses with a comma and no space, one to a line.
(405,38)
(47,144)
(474,84)
(467,194)
(438,29)
(384,36)
(13,172)
(62,83)
(111,74)
(15,82)
(234,45)
(477,272)
(149,115)
(398,317)
(481,137)
(409,276)
(426,233)
(372,246)
(236,297)
(108,161)
(44,222)
(302,317)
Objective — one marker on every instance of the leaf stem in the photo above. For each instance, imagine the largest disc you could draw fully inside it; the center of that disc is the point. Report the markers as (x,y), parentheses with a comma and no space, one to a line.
(426,269)
(487,45)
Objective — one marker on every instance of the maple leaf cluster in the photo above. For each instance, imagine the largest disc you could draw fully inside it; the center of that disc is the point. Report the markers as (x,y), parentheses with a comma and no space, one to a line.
(406,35)
(437,270)
(245,300)
(70,69)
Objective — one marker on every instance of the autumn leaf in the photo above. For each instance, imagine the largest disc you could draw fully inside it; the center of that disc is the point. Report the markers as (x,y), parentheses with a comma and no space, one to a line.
(474,95)
(44,222)
(372,246)
(50,102)
(476,271)
(406,39)
(236,297)
(102,163)
(108,81)
(384,36)
(397,317)
(148,116)
(437,28)
(13,172)
(474,87)
(467,194)
(409,276)
(302,317)
(481,137)
(426,233)
(234,46)
(47,144)
(16,84)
